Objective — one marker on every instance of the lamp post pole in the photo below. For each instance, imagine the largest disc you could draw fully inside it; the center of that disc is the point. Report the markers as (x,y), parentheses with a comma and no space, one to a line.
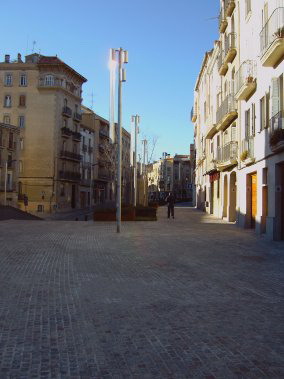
(122,58)
(136,120)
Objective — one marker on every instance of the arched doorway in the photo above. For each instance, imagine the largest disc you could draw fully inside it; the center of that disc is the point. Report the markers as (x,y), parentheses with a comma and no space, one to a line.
(233,197)
(225,197)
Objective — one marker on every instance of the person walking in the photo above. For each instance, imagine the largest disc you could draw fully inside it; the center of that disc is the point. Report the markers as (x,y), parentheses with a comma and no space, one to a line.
(171,205)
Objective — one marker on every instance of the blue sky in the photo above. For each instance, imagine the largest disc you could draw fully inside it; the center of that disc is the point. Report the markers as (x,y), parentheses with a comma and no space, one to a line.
(166,41)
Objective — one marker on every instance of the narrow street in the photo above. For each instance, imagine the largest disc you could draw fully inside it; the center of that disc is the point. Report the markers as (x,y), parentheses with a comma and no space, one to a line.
(193,297)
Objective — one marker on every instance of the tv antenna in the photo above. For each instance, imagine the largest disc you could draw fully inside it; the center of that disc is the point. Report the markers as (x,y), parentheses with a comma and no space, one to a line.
(34,43)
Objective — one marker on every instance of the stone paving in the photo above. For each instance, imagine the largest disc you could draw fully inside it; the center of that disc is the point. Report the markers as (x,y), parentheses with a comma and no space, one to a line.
(192,297)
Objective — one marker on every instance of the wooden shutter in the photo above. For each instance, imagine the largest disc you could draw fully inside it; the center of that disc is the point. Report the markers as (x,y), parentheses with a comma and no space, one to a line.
(275,96)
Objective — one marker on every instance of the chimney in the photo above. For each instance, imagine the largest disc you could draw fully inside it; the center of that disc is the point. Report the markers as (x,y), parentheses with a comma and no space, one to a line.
(19,58)
(7,58)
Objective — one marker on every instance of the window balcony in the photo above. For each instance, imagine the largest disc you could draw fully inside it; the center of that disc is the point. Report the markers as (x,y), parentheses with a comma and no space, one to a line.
(247,154)
(70,176)
(210,131)
(76,136)
(77,116)
(222,22)
(222,66)
(276,139)
(245,80)
(272,39)
(229,7)
(104,134)
(66,111)
(193,114)
(66,132)
(227,155)
(65,154)
(226,113)
(230,48)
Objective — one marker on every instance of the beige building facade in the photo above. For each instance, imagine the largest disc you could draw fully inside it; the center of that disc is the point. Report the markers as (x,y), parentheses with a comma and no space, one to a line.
(42,96)
(238,118)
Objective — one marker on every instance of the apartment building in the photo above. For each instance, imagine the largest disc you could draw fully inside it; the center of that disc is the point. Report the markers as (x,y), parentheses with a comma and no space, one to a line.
(42,97)
(10,165)
(238,118)
(182,187)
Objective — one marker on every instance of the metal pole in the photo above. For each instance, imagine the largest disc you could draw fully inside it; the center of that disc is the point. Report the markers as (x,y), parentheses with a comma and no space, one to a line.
(5,183)
(118,199)
(135,161)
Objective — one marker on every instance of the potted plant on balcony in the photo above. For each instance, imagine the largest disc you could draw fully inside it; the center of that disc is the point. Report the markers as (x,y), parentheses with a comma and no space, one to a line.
(244,155)
(276,140)
(279,32)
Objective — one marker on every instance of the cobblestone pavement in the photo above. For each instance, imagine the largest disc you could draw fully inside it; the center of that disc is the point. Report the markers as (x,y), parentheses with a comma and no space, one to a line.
(192,297)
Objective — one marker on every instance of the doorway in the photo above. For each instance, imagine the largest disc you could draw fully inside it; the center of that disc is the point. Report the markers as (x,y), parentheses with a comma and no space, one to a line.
(225,205)
(253,199)
(233,197)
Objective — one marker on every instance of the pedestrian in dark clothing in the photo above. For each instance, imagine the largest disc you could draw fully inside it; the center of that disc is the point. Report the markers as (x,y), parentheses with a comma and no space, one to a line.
(171,205)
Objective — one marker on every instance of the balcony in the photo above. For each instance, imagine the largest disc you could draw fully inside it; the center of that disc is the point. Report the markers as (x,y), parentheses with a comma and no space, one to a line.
(77,136)
(227,155)
(230,48)
(222,67)
(104,134)
(59,84)
(222,22)
(90,150)
(245,80)
(77,116)
(210,165)
(276,139)
(84,148)
(210,131)
(272,39)
(226,113)
(247,155)
(70,176)
(66,111)
(66,132)
(104,175)
(64,154)
(229,7)
(193,114)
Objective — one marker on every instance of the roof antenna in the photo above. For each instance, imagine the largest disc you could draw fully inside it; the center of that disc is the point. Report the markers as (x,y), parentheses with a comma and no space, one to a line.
(34,43)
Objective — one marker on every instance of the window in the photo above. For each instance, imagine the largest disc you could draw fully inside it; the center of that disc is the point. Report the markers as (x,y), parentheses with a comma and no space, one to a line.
(62,190)
(22,101)
(23,80)
(247,124)
(10,143)
(6,119)
(21,121)
(233,133)
(20,166)
(248,7)
(264,111)
(49,80)
(21,143)
(7,101)
(253,119)
(8,80)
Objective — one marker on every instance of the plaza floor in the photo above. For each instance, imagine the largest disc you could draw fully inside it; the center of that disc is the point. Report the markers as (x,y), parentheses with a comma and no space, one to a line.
(193,297)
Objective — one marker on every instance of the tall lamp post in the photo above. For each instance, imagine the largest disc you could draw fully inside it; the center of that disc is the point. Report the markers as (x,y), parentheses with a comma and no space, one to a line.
(122,57)
(136,120)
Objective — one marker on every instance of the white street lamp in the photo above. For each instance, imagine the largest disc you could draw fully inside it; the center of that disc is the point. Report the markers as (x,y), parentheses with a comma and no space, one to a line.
(122,56)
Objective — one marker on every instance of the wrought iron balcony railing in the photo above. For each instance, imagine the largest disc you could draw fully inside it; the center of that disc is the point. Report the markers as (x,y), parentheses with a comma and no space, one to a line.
(228,106)
(245,79)
(228,152)
(66,111)
(70,155)
(70,175)
(277,121)
(272,30)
